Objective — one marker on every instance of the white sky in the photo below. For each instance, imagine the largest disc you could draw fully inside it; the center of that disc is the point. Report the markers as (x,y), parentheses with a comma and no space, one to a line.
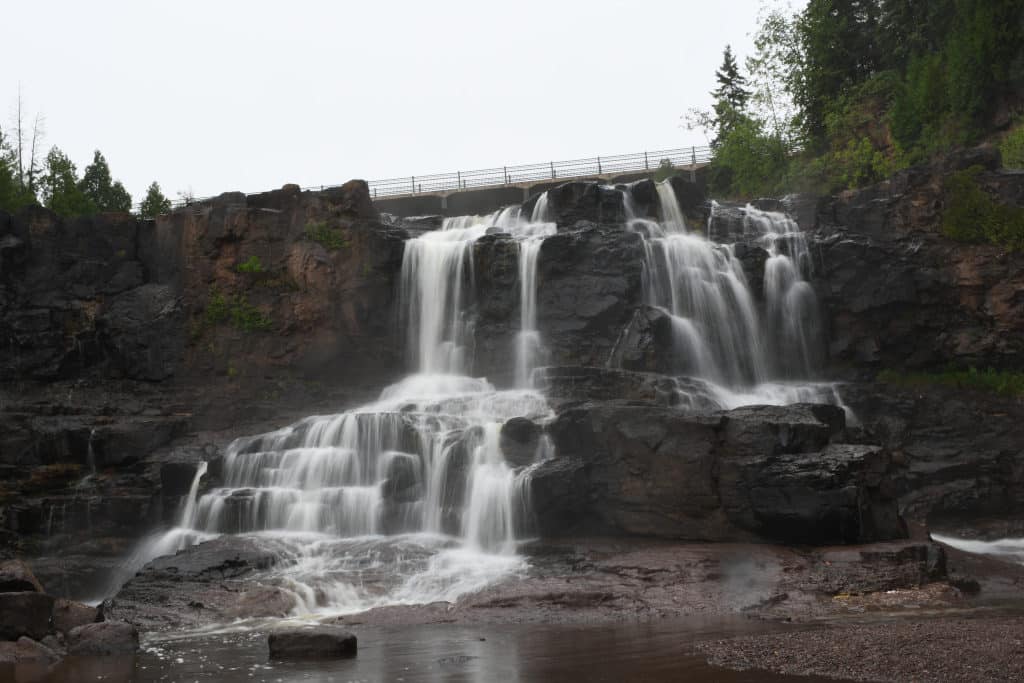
(218,96)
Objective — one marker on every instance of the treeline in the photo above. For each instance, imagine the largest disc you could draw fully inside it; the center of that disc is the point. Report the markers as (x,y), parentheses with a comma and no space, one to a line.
(27,178)
(845,92)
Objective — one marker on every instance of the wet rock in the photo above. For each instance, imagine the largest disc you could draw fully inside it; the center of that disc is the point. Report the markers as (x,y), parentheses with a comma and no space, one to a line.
(68,615)
(520,438)
(402,479)
(757,472)
(583,201)
(646,343)
(752,258)
(25,614)
(800,428)
(103,639)
(25,651)
(17,577)
(564,385)
(321,642)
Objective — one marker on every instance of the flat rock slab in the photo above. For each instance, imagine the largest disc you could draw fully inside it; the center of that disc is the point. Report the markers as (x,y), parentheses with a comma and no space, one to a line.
(320,642)
(26,650)
(68,614)
(103,638)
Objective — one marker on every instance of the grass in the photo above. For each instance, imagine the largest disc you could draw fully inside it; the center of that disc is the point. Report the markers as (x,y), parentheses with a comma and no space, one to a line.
(1004,382)
(972,215)
(1012,147)
(331,238)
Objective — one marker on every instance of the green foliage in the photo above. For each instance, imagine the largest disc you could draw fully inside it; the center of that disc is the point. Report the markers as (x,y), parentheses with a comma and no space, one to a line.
(104,193)
(252,265)
(1012,147)
(155,203)
(61,191)
(665,170)
(750,161)
(235,310)
(972,215)
(331,238)
(998,381)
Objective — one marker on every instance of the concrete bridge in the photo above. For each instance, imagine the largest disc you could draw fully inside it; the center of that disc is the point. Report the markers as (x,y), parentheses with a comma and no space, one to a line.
(486,190)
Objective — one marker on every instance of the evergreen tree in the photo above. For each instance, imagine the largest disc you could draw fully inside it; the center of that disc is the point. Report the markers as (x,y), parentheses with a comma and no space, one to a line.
(61,191)
(155,202)
(731,97)
(96,184)
(732,86)
(13,193)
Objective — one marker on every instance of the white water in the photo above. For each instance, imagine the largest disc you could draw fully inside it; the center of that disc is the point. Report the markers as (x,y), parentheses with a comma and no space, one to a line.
(719,334)
(1011,549)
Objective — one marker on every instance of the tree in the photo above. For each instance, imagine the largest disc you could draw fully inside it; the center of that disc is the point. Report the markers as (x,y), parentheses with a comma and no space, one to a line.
(155,202)
(61,191)
(731,96)
(97,186)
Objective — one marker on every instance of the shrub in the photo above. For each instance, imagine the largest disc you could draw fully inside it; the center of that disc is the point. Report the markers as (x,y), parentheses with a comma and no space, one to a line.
(331,238)
(972,215)
(1012,148)
(238,311)
(664,171)
(252,266)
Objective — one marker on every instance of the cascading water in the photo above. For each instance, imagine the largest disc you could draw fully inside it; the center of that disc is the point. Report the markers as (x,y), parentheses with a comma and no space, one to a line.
(412,489)
(718,333)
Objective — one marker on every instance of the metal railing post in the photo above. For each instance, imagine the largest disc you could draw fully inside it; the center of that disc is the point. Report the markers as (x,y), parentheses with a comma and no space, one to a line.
(458,179)
(504,170)
(413,183)
(599,166)
(552,170)
(693,164)
(647,167)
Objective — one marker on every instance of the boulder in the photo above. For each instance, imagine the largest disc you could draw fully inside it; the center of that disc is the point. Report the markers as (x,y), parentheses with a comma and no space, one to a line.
(17,577)
(26,650)
(68,615)
(402,477)
(103,639)
(320,642)
(646,343)
(25,614)
(519,440)
(761,430)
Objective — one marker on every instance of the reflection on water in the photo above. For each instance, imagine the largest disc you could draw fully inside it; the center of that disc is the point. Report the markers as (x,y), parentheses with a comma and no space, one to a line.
(646,652)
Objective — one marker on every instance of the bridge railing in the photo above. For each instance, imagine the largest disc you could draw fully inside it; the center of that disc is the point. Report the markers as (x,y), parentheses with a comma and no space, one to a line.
(681,157)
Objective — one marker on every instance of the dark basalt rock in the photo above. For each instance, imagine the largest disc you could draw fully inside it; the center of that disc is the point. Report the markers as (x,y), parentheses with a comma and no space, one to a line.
(27,651)
(402,481)
(103,639)
(646,343)
(565,385)
(760,472)
(320,642)
(25,614)
(520,438)
(141,329)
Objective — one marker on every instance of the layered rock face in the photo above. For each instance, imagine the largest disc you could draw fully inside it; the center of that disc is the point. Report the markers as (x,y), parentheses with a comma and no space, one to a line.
(901,295)
(754,473)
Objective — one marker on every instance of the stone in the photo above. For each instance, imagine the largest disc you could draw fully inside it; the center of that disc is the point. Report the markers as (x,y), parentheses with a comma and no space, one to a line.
(401,483)
(17,577)
(320,642)
(25,614)
(25,650)
(68,615)
(103,639)
(519,440)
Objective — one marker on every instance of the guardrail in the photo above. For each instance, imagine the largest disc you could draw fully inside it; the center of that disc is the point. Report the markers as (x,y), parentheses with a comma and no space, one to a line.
(682,158)
(552,170)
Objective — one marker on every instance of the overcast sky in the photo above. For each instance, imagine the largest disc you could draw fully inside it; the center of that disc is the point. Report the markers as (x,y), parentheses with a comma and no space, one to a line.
(218,96)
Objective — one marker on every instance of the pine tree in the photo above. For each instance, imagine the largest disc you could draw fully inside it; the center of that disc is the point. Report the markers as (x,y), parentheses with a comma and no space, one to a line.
(732,86)
(731,97)
(96,184)
(61,191)
(155,202)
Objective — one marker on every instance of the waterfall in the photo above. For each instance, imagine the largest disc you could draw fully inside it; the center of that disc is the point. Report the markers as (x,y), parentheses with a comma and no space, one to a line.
(414,484)
(719,332)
